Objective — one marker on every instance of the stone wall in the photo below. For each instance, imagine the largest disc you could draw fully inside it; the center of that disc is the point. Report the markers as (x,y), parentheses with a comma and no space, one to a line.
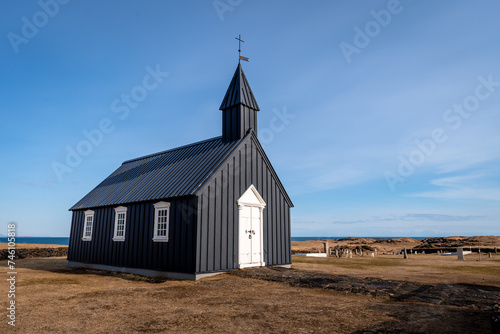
(35,252)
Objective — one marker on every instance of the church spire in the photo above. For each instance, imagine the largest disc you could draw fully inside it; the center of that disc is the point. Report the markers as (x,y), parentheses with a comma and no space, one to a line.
(239,92)
(239,108)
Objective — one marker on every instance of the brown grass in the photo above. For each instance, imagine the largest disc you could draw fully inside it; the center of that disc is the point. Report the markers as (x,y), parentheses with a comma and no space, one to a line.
(430,268)
(52,298)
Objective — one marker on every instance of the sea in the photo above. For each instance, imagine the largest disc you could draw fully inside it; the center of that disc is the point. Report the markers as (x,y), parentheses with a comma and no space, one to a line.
(65,240)
(39,240)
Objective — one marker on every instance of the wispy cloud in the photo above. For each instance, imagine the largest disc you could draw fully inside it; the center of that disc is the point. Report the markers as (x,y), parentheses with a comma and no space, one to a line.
(455,181)
(440,217)
(349,222)
(462,193)
(473,186)
(411,217)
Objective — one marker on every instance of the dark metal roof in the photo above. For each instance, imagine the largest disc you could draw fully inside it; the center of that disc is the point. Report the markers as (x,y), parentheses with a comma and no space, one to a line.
(172,173)
(251,135)
(239,92)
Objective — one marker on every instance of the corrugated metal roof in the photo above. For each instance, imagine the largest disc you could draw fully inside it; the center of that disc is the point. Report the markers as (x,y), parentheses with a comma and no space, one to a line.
(251,135)
(172,173)
(239,92)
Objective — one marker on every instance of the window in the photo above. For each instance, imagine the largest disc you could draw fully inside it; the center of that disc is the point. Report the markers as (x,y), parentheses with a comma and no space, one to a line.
(88,222)
(162,211)
(120,223)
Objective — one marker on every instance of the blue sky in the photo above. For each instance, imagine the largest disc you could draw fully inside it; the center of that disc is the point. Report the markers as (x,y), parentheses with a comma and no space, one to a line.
(380,117)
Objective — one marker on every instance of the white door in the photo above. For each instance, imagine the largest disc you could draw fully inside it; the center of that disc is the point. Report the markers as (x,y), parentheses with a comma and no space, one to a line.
(250,206)
(255,235)
(245,227)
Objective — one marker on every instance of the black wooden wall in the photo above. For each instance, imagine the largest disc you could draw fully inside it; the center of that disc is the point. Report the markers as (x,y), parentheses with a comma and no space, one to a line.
(203,231)
(138,250)
(236,121)
(217,240)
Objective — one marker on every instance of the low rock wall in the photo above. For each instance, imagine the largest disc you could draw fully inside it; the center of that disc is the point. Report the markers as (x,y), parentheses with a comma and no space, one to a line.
(35,252)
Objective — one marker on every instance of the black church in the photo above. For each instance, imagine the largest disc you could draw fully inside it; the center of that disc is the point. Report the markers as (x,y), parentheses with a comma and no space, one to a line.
(191,211)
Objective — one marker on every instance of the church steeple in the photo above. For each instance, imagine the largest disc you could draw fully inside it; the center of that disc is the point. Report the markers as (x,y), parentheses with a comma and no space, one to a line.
(239,108)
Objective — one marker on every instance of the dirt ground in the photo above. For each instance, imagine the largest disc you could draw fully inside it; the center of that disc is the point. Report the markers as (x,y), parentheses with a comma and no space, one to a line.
(53,298)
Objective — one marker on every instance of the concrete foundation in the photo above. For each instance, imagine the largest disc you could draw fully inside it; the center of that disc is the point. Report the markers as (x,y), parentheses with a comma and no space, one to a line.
(143,272)
(149,272)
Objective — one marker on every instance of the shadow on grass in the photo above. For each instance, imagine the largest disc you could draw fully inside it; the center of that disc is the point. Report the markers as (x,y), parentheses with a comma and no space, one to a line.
(60,266)
(125,276)
(461,295)
(428,318)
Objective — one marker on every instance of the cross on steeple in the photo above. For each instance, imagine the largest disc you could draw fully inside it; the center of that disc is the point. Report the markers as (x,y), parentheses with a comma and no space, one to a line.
(239,44)
(240,57)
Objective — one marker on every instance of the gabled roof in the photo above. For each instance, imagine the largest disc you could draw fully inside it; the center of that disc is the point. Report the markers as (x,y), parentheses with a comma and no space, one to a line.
(181,171)
(239,92)
(250,136)
(176,172)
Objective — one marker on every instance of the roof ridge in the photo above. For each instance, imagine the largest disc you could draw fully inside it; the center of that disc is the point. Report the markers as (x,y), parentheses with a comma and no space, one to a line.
(268,162)
(250,135)
(223,160)
(171,150)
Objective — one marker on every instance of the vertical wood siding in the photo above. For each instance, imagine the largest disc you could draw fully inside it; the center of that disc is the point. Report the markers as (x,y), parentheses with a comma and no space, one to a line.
(138,250)
(217,237)
(236,121)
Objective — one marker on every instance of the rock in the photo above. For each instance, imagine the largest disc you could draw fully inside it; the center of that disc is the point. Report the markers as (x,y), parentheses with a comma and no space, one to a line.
(22,253)
(495,319)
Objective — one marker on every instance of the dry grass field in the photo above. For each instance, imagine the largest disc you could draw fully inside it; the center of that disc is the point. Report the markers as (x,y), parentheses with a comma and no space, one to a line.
(53,298)
(420,268)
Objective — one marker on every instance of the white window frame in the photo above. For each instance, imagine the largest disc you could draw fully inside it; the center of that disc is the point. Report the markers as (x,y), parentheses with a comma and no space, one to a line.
(159,207)
(88,214)
(118,211)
